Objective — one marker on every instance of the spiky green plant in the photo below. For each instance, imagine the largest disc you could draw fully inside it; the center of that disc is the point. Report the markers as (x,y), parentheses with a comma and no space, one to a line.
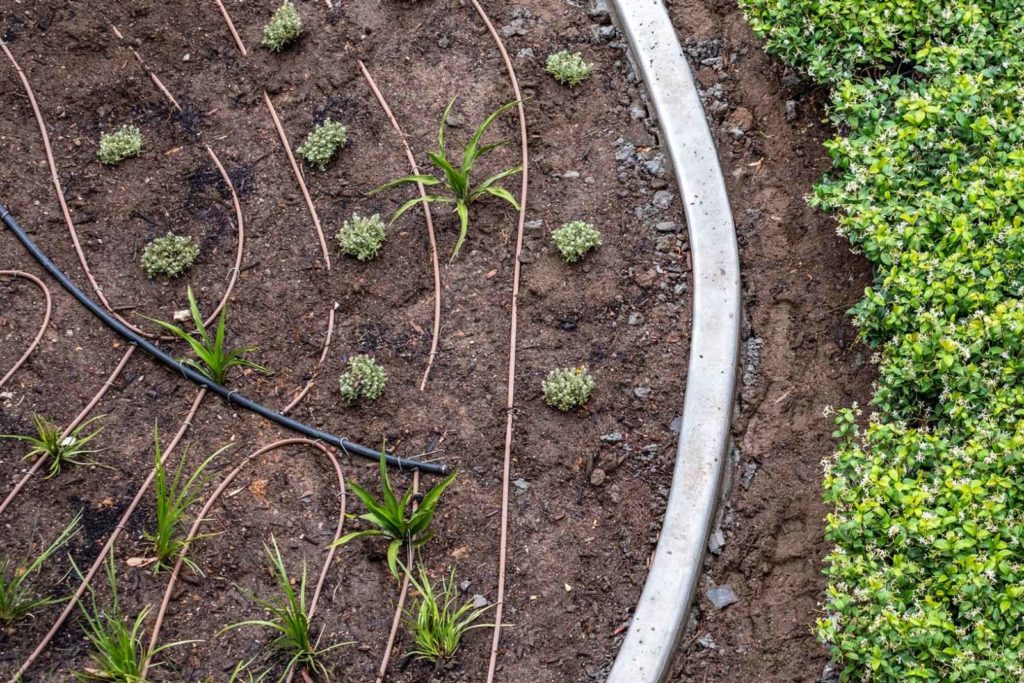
(170,255)
(365,379)
(19,596)
(457,179)
(437,620)
(574,239)
(284,28)
(568,68)
(567,388)
(173,499)
(49,443)
(290,620)
(212,360)
(117,146)
(119,654)
(362,237)
(322,142)
(392,518)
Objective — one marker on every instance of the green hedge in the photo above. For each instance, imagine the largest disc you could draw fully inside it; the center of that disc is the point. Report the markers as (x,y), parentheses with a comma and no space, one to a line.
(926,578)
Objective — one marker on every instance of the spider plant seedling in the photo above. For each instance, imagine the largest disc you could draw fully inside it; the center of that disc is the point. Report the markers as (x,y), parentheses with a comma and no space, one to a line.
(118,652)
(437,620)
(173,499)
(60,451)
(19,597)
(212,360)
(289,619)
(457,179)
(391,518)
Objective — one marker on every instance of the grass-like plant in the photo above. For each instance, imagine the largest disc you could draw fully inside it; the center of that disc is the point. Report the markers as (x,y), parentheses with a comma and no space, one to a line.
(119,654)
(365,379)
(567,388)
(457,178)
(437,619)
(170,255)
(173,499)
(290,620)
(392,518)
(322,142)
(117,146)
(362,237)
(19,596)
(283,29)
(568,68)
(574,239)
(60,451)
(212,359)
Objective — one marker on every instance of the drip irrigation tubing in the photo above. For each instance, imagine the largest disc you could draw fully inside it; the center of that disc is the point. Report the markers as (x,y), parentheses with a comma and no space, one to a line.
(42,327)
(232,397)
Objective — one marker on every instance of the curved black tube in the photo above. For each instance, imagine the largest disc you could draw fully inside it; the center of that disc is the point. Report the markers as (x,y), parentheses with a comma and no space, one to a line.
(222,391)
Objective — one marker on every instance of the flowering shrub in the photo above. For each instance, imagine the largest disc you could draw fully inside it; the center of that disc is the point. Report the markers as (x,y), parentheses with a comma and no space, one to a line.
(575,239)
(925,579)
(117,146)
(170,255)
(283,29)
(322,142)
(362,237)
(567,388)
(365,379)
(568,68)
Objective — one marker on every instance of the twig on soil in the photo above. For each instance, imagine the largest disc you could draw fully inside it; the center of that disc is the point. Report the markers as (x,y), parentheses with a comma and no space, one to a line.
(316,369)
(42,327)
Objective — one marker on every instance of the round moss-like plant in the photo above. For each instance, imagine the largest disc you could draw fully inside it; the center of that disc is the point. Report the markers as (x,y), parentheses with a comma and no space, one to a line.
(365,379)
(568,68)
(567,388)
(118,146)
(322,142)
(361,237)
(284,28)
(170,255)
(575,239)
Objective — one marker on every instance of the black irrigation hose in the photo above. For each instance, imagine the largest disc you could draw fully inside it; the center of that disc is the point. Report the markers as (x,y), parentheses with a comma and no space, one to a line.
(222,391)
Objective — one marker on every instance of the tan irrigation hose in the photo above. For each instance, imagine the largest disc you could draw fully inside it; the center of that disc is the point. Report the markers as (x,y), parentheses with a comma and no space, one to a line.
(323,357)
(193,532)
(108,546)
(67,430)
(510,399)
(42,327)
(430,222)
(231,27)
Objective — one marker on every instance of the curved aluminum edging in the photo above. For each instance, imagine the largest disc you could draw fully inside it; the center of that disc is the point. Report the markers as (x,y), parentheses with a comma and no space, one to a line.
(660,616)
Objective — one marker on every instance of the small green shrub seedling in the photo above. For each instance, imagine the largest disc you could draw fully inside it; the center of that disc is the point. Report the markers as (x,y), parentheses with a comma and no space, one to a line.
(19,597)
(48,443)
(212,360)
(170,255)
(389,515)
(361,237)
(436,620)
(118,146)
(289,619)
(457,178)
(322,142)
(568,68)
(567,388)
(284,28)
(575,239)
(365,379)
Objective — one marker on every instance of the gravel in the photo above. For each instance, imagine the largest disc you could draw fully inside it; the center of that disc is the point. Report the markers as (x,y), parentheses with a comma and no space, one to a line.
(722,596)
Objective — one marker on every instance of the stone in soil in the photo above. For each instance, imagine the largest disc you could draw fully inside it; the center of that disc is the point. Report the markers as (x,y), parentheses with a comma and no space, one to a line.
(722,596)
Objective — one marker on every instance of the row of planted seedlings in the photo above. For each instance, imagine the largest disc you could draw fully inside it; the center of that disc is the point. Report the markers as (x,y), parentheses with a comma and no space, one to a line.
(437,619)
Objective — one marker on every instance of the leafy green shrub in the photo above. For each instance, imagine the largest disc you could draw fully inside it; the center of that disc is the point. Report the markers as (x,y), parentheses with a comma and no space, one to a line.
(170,255)
(60,451)
(567,388)
(284,28)
(118,146)
(365,379)
(362,237)
(322,142)
(437,619)
(568,68)
(575,239)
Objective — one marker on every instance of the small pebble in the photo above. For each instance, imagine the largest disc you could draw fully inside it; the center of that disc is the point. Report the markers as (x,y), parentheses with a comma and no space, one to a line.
(642,392)
(635,319)
(667,226)
(521,484)
(612,437)
(722,596)
(479,601)
(663,199)
(598,476)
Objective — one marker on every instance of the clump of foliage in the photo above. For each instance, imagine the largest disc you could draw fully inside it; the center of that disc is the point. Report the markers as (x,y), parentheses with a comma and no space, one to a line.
(567,388)
(574,239)
(60,450)
(392,518)
(568,68)
(437,619)
(212,359)
(170,255)
(924,581)
(290,621)
(20,597)
(118,146)
(322,142)
(362,237)
(283,29)
(457,179)
(365,379)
